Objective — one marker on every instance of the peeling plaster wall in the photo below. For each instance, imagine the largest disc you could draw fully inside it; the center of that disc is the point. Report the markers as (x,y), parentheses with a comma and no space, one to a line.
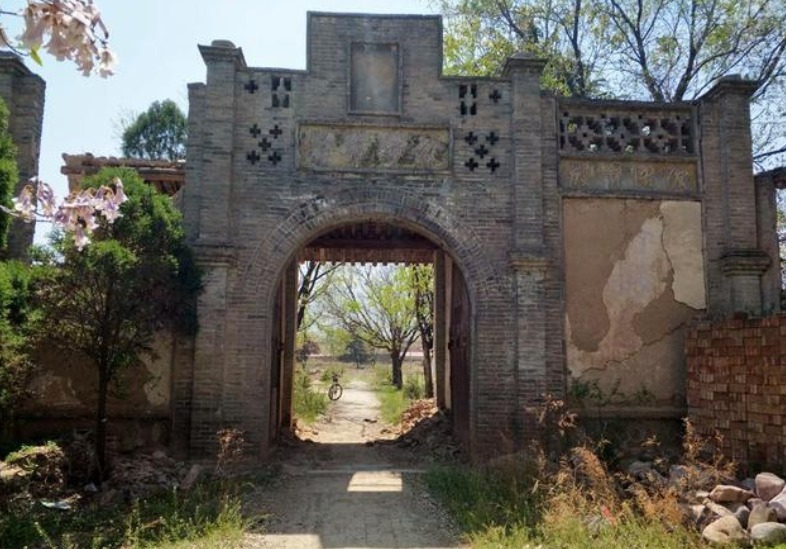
(634,279)
(65,389)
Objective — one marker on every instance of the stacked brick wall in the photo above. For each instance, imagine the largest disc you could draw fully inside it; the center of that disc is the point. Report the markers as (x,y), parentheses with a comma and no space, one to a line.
(737,387)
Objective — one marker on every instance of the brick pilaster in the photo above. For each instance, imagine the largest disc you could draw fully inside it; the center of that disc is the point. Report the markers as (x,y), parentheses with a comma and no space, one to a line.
(735,263)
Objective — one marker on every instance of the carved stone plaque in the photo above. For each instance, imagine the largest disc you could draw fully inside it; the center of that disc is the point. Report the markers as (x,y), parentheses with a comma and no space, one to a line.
(374,86)
(607,175)
(373,148)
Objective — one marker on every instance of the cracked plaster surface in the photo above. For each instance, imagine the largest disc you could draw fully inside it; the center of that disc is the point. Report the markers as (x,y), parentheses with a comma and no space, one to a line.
(655,285)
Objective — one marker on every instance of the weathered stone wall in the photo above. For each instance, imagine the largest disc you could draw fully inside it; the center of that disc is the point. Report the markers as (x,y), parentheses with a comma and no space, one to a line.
(737,387)
(23,93)
(616,222)
(276,157)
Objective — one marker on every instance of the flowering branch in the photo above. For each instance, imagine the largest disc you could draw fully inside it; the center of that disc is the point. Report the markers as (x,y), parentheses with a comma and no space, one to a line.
(76,213)
(75,32)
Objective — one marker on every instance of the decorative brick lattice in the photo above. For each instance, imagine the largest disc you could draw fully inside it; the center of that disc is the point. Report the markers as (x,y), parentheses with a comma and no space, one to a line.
(266,144)
(481,150)
(645,132)
(251,86)
(280,87)
(468,93)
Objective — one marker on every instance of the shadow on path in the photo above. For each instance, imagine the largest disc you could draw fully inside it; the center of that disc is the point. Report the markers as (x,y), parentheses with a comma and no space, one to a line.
(344,491)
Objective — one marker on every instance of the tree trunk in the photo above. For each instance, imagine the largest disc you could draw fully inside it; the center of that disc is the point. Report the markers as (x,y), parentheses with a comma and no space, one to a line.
(428,380)
(397,377)
(101,420)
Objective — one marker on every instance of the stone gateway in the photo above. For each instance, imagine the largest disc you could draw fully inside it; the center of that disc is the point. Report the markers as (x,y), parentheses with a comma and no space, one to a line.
(573,240)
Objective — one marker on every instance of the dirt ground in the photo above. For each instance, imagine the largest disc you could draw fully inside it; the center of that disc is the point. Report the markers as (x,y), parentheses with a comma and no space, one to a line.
(347,489)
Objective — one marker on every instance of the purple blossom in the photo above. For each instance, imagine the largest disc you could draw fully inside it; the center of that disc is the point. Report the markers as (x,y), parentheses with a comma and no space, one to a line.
(76,213)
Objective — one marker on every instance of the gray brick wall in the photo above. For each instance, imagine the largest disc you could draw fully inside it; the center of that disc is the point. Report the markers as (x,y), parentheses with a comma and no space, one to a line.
(496,210)
(23,93)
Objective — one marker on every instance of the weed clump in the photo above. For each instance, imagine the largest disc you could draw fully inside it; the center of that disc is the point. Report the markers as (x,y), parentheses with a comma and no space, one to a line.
(308,404)
(562,494)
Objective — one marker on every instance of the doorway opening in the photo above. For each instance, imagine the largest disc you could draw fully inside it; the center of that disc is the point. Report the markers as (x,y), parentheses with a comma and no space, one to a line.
(355,270)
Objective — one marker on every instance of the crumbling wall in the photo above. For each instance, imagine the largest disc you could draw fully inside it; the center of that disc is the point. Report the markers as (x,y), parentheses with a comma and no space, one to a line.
(64,393)
(634,280)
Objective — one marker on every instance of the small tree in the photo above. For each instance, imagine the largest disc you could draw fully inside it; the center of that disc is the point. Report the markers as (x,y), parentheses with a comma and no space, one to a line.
(357,352)
(375,305)
(110,299)
(159,133)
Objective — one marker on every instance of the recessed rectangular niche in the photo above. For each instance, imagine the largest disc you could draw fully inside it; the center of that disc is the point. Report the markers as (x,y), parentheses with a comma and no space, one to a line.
(374,78)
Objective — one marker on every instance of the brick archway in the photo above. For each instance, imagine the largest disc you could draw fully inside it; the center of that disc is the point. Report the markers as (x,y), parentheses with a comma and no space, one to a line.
(259,279)
(273,252)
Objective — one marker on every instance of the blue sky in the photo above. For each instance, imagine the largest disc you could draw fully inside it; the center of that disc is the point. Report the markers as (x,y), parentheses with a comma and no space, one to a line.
(156,43)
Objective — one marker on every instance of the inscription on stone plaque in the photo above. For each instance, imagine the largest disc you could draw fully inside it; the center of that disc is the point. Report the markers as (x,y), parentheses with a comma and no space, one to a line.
(374,86)
(373,148)
(610,176)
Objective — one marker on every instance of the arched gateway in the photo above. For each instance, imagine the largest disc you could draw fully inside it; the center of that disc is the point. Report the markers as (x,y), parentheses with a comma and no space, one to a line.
(573,240)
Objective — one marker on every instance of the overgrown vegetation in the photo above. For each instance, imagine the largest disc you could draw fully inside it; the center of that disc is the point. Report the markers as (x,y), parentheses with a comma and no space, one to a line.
(308,403)
(209,514)
(15,322)
(575,501)
(109,300)
(9,175)
(43,503)
(393,402)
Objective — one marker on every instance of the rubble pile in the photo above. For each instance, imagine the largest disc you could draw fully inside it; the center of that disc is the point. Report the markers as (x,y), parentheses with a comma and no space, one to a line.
(419,410)
(753,512)
(49,474)
(426,430)
(727,512)
(140,475)
(37,470)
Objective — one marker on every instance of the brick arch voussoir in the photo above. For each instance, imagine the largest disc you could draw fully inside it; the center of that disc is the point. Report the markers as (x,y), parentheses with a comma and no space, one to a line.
(310,218)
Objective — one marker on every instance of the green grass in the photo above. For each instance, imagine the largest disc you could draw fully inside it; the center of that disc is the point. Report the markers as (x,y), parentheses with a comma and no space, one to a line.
(308,403)
(394,402)
(500,503)
(207,516)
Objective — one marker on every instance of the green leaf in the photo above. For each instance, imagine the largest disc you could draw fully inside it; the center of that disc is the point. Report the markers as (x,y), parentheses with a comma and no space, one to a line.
(35,57)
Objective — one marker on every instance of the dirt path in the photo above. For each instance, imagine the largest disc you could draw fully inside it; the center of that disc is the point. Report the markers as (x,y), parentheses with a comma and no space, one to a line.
(343,491)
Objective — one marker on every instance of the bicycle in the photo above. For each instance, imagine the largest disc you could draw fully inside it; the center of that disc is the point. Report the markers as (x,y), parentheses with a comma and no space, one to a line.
(336,390)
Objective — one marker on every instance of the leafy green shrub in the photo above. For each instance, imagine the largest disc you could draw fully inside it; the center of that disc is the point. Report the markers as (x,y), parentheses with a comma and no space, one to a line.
(357,351)
(414,388)
(308,404)
(15,316)
(109,300)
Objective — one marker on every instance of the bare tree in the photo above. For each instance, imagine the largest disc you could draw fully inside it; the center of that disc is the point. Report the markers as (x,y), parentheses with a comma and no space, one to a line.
(659,50)
(313,281)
